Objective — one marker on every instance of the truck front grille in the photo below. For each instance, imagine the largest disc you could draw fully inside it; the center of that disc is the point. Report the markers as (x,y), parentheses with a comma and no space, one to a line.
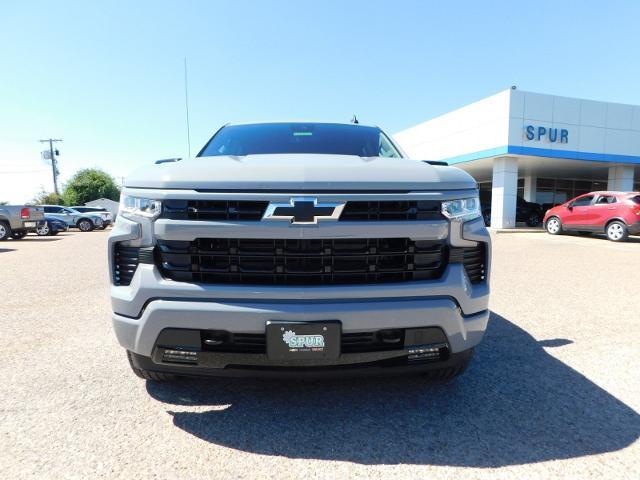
(301,262)
(354,211)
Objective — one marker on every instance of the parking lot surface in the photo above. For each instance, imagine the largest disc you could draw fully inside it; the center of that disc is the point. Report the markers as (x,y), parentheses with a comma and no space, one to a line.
(554,390)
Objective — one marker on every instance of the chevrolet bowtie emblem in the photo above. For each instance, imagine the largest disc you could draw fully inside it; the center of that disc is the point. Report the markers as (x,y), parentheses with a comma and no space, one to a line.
(303,211)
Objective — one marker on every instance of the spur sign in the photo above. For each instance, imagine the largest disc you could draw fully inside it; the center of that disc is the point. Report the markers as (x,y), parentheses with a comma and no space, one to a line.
(546,134)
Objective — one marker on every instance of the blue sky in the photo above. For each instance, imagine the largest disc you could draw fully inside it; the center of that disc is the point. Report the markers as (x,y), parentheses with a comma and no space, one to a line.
(108,77)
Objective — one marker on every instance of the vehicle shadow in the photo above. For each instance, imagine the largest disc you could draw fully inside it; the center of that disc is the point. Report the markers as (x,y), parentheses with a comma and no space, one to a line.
(516,404)
(603,237)
(40,239)
(2,250)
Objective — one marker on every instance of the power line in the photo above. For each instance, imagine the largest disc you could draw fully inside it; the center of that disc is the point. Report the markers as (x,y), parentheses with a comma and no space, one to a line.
(52,157)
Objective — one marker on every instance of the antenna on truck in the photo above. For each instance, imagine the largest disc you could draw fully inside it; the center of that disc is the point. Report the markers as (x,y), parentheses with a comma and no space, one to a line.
(186,104)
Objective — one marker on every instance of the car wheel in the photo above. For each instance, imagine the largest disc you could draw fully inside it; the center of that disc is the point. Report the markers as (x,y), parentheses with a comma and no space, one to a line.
(85,225)
(18,234)
(554,226)
(617,232)
(534,220)
(43,230)
(148,375)
(5,231)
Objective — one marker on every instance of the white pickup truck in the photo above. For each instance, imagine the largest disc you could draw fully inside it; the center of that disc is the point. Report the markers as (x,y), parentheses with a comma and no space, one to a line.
(17,220)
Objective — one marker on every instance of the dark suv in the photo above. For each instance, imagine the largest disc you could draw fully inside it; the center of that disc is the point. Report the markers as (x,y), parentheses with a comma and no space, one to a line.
(528,212)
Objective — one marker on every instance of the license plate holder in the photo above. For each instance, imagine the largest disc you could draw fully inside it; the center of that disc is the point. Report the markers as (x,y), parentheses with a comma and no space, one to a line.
(291,341)
(29,224)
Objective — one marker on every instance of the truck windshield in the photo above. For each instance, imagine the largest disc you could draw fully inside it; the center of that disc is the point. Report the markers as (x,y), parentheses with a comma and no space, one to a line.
(323,138)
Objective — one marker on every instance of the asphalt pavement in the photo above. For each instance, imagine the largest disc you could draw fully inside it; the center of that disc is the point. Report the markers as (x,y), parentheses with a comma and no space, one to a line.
(554,390)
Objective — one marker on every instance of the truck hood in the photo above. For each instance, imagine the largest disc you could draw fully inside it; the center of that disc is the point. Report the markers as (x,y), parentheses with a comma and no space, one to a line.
(300,172)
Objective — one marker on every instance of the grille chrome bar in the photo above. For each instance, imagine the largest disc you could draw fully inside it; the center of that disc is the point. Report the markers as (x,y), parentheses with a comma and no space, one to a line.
(354,210)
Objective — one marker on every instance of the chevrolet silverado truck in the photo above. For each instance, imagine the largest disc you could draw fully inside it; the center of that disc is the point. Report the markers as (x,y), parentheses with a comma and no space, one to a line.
(18,220)
(305,249)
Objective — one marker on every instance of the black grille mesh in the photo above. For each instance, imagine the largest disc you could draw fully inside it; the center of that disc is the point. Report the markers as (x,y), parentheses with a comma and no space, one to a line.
(257,342)
(392,210)
(213,210)
(301,262)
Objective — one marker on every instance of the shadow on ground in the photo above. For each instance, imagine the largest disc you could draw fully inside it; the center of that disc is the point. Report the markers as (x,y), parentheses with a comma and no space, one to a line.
(516,404)
(602,237)
(40,239)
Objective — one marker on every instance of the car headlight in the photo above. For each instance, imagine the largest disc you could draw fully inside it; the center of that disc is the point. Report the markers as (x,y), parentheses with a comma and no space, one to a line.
(462,208)
(136,207)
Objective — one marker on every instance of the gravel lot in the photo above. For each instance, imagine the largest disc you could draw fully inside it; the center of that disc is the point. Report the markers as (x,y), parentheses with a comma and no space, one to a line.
(554,390)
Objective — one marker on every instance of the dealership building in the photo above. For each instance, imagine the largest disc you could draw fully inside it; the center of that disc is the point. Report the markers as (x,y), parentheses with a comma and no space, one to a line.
(543,148)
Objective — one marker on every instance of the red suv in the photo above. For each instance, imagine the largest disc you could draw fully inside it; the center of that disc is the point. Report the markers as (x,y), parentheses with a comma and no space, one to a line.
(615,213)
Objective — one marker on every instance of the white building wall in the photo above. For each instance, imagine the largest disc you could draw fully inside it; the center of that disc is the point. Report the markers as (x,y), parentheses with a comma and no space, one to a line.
(480,126)
(595,129)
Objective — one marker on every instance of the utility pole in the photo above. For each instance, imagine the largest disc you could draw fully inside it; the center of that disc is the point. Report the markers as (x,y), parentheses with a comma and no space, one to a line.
(54,166)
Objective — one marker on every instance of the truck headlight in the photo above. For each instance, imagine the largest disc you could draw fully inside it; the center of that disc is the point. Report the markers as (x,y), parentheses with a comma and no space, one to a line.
(462,209)
(135,207)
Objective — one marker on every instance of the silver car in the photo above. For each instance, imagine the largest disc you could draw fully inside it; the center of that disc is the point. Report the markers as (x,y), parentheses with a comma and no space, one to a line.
(85,222)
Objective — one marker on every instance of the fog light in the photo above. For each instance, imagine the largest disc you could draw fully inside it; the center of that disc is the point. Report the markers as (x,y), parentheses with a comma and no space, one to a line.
(180,356)
(426,352)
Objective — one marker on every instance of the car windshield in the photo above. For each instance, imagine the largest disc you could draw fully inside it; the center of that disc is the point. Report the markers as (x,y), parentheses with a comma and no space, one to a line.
(321,138)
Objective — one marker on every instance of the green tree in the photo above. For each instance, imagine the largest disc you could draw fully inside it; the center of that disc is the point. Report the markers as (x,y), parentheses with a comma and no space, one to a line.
(4,202)
(90,184)
(48,198)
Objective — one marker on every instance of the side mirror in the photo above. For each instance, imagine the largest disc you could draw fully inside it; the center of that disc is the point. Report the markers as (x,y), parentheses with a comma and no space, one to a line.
(570,206)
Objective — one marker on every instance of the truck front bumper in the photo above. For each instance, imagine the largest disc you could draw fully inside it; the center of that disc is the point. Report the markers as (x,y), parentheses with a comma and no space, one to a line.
(151,304)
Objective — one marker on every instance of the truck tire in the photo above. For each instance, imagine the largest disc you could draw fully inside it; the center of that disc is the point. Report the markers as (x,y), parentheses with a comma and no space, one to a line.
(450,372)
(5,230)
(85,225)
(18,234)
(148,375)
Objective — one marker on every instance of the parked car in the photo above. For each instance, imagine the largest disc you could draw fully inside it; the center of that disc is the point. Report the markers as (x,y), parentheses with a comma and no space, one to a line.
(617,214)
(85,222)
(381,263)
(51,227)
(530,213)
(107,217)
(17,220)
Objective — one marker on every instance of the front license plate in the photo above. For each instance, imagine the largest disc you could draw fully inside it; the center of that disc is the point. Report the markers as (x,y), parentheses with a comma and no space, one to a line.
(29,224)
(287,341)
